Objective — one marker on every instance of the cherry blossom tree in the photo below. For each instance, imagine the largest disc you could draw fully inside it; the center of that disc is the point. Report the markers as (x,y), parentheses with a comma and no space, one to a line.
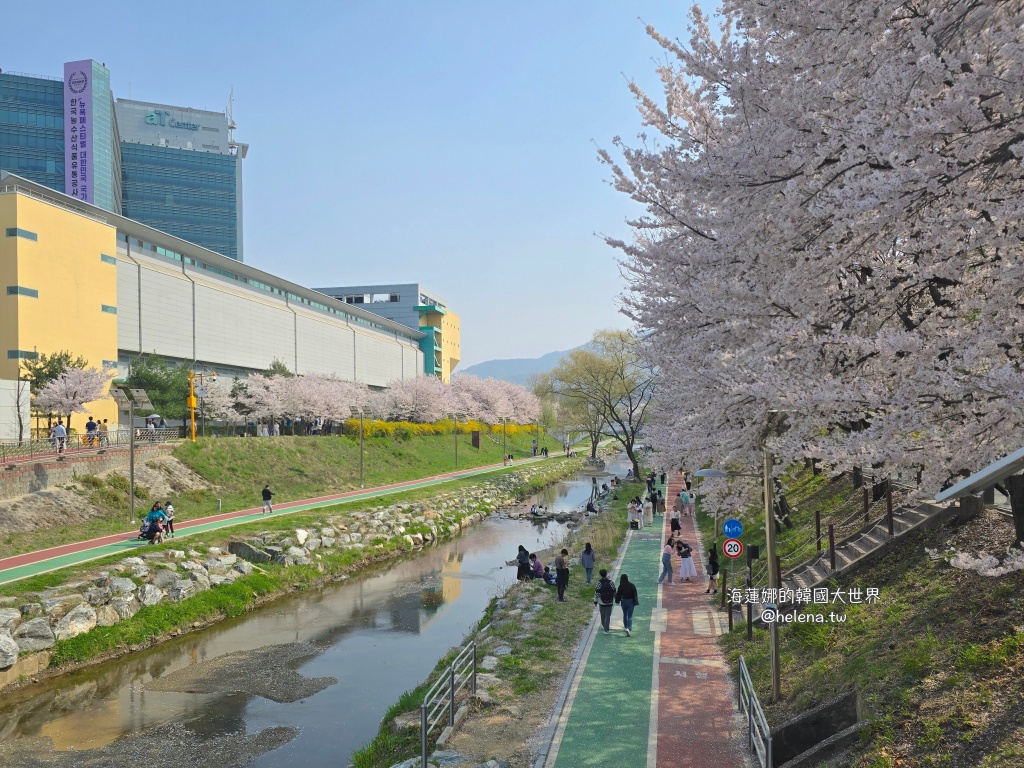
(422,399)
(220,402)
(71,390)
(832,229)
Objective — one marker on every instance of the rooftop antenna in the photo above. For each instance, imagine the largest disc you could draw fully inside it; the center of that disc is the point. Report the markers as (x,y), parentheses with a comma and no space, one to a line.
(232,144)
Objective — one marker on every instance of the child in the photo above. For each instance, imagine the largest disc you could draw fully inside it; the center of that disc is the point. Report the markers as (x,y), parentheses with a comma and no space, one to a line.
(169,514)
(549,577)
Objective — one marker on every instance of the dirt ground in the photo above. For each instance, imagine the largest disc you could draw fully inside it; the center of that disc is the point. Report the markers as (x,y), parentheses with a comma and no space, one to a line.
(160,474)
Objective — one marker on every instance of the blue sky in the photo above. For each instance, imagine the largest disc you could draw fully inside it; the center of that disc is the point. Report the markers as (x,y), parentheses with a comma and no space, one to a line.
(451,143)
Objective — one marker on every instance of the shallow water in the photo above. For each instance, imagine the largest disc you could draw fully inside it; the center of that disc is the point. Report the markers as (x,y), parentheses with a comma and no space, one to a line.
(377,635)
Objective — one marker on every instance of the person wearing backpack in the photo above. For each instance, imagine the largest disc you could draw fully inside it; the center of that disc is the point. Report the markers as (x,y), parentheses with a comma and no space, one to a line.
(627,597)
(604,599)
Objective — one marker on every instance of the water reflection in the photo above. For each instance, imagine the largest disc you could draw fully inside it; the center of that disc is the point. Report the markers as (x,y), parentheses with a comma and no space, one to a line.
(378,635)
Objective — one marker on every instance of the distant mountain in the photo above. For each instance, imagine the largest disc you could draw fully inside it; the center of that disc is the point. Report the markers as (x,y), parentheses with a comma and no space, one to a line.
(515,370)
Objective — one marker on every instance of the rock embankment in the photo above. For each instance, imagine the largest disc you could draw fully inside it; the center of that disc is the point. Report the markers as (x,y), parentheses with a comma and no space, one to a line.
(37,622)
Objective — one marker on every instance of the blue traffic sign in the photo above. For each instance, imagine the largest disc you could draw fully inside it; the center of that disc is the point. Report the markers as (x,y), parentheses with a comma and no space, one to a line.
(732,528)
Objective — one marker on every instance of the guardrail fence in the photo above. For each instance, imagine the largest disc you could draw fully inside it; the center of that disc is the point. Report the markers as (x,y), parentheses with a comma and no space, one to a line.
(439,702)
(13,450)
(759,738)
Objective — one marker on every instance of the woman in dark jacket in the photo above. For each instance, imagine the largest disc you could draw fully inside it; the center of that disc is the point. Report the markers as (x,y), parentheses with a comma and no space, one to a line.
(523,561)
(713,569)
(626,596)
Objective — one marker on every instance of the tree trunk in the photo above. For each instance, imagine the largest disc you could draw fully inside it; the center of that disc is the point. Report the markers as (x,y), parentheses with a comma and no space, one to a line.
(1015,485)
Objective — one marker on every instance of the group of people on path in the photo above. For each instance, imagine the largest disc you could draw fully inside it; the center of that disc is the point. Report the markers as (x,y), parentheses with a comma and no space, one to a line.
(159,523)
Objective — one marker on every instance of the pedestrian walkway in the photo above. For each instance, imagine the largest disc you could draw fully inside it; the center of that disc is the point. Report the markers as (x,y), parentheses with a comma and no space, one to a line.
(52,559)
(663,697)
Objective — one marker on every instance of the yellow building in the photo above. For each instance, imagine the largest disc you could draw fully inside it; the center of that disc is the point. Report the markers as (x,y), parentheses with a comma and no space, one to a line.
(442,345)
(59,281)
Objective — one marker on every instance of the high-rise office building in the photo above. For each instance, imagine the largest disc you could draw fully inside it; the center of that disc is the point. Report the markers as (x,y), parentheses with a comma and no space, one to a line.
(182,173)
(176,169)
(64,136)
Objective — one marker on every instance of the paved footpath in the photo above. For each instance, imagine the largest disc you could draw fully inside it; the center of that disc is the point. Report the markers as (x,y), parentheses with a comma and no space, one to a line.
(54,558)
(663,697)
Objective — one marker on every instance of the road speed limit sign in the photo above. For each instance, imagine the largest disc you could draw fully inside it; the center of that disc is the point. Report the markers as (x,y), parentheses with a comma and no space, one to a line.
(732,547)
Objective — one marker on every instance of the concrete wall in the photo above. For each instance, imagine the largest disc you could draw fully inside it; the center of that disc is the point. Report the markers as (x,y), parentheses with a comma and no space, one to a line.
(192,314)
(38,476)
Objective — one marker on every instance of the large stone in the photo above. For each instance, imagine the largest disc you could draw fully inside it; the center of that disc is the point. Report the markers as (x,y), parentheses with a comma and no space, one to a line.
(181,590)
(328,541)
(214,566)
(98,595)
(34,635)
(140,571)
(228,578)
(201,580)
(328,533)
(9,617)
(121,586)
(30,609)
(302,561)
(106,616)
(228,560)
(446,757)
(346,538)
(248,552)
(274,552)
(489,663)
(61,604)
(193,567)
(283,560)
(242,567)
(125,605)
(78,621)
(216,552)
(164,578)
(301,536)
(9,651)
(287,542)
(150,594)
(312,543)
(175,554)
(296,552)
(131,562)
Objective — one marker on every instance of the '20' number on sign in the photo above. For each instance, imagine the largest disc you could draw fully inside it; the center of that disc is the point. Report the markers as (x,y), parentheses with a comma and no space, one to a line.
(732,547)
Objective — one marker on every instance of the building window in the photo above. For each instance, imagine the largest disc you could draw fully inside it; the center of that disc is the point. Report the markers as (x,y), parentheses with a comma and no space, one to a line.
(107,259)
(21,354)
(394,297)
(15,232)
(108,364)
(108,309)
(20,290)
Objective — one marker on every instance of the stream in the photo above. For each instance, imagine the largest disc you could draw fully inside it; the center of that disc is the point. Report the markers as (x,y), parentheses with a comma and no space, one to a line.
(302,680)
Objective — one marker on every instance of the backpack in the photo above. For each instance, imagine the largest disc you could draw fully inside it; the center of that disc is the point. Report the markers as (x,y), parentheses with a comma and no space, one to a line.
(606,591)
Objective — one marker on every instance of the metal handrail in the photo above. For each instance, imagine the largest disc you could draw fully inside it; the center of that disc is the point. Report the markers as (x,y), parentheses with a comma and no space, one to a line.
(12,451)
(441,695)
(759,735)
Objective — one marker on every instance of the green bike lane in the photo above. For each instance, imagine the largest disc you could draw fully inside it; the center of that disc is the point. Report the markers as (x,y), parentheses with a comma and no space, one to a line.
(609,714)
(53,559)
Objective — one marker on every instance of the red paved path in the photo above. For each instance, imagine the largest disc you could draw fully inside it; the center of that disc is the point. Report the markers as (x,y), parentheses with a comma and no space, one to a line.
(697,721)
(79,546)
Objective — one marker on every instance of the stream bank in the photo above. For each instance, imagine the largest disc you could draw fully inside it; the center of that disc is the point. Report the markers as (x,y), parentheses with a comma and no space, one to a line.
(123,605)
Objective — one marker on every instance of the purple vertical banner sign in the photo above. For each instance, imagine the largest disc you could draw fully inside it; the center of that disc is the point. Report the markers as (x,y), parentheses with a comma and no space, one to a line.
(78,130)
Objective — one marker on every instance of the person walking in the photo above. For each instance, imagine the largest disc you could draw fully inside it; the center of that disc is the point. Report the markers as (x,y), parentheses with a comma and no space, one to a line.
(713,570)
(604,599)
(660,506)
(169,515)
(666,562)
(562,573)
(587,557)
(60,436)
(648,513)
(91,436)
(267,496)
(678,507)
(626,596)
(104,433)
(684,497)
(691,503)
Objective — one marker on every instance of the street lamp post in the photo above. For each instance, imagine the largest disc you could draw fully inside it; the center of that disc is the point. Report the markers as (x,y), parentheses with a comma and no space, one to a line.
(504,450)
(361,447)
(127,399)
(455,416)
